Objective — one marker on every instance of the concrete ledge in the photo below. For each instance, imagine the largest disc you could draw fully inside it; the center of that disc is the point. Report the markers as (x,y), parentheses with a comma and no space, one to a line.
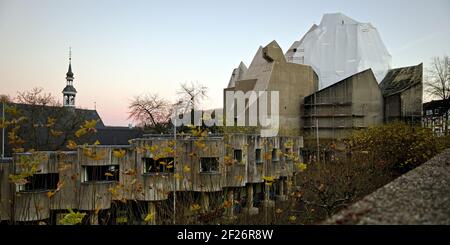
(421,196)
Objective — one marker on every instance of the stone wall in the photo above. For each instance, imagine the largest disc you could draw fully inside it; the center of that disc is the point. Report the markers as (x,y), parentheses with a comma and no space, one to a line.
(421,196)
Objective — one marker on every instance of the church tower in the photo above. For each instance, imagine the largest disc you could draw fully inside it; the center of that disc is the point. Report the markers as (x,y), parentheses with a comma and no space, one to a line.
(69,91)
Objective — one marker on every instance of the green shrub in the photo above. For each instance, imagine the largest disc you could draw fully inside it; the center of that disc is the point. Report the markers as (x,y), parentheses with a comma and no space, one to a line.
(398,145)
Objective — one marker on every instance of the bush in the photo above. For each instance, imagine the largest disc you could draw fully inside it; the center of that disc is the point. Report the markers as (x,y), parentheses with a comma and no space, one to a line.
(398,145)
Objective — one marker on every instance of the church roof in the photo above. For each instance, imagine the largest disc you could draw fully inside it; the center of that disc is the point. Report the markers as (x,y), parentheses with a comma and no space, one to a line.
(399,79)
(69,88)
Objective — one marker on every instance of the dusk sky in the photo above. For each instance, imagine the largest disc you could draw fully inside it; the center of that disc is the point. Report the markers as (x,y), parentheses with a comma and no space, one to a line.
(127,48)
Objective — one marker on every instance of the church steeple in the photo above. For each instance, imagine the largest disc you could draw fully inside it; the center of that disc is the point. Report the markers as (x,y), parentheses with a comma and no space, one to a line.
(69,91)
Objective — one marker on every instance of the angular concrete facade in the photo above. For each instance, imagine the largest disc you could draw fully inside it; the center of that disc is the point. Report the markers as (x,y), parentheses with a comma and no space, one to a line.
(269,71)
(353,103)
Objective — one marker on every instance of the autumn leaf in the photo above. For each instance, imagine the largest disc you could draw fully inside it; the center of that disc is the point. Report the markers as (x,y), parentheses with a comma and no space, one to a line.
(71,145)
(227,204)
(55,133)
(50,122)
(119,153)
(269,180)
(50,194)
(72,218)
(292,218)
(239,178)
(149,217)
(301,167)
(195,207)
(109,174)
(186,169)
(178,176)
(80,132)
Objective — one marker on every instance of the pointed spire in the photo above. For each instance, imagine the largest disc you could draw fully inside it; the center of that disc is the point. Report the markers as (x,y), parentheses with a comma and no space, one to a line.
(69,73)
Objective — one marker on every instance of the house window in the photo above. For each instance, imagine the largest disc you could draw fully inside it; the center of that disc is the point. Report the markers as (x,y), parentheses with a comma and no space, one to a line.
(275,155)
(39,182)
(238,155)
(258,156)
(429,112)
(436,111)
(101,173)
(209,164)
(162,165)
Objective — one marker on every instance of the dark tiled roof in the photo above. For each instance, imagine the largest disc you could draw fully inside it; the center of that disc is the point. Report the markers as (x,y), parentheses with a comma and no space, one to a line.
(68,121)
(69,88)
(117,135)
(400,79)
(86,114)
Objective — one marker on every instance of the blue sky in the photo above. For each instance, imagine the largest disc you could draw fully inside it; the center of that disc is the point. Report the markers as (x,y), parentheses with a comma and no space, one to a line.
(127,48)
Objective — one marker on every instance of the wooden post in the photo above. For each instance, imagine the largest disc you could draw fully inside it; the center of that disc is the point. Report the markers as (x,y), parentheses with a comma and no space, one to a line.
(204,199)
(151,211)
(267,203)
(230,199)
(93,219)
(281,196)
(250,209)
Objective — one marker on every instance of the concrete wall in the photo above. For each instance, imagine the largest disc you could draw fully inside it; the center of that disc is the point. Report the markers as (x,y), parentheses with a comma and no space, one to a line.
(355,102)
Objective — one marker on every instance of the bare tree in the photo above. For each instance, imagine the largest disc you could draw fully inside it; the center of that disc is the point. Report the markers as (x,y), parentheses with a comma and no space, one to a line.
(192,94)
(36,96)
(438,80)
(150,111)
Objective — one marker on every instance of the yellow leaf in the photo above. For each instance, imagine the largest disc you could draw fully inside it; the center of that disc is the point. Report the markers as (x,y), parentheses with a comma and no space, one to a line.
(109,174)
(149,217)
(301,167)
(177,176)
(119,153)
(71,145)
(195,207)
(227,204)
(292,218)
(80,132)
(55,133)
(50,194)
(186,168)
(97,142)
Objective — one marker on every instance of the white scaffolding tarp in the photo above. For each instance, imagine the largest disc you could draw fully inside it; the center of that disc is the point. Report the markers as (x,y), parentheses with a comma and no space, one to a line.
(340,47)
